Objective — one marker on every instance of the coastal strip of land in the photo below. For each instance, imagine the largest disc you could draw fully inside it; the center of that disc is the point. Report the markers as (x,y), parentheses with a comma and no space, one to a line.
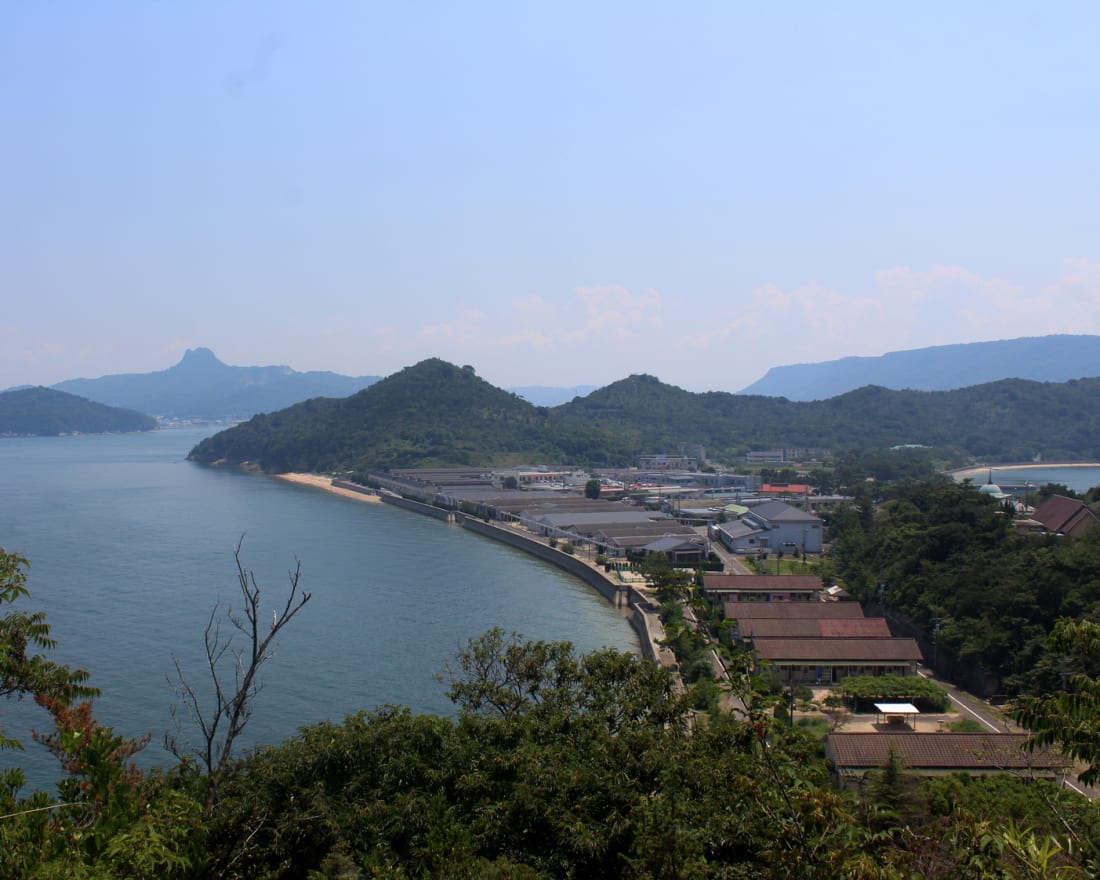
(981,470)
(320,482)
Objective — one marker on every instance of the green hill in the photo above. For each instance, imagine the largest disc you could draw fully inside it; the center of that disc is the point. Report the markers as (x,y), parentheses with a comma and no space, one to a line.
(43,412)
(435,413)
(431,413)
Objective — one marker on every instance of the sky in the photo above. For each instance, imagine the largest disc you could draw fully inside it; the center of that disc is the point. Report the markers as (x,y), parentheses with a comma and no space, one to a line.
(555,193)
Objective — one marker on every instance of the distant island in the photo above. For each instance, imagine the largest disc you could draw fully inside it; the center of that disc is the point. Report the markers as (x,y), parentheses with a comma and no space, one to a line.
(201,387)
(43,412)
(1056,358)
(435,413)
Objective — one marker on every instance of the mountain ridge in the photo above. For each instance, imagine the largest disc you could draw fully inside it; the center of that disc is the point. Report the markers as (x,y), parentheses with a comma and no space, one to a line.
(1054,358)
(435,413)
(200,386)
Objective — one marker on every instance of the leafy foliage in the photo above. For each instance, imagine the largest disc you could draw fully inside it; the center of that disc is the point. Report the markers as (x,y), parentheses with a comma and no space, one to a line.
(912,688)
(24,671)
(557,765)
(947,558)
(1069,719)
(108,821)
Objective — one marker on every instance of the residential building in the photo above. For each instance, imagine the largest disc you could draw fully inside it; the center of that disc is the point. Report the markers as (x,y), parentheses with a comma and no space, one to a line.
(772,526)
(1065,516)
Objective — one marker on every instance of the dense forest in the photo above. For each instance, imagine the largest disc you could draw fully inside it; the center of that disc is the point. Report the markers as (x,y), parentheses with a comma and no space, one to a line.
(947,558)
(435,413)
(42,412)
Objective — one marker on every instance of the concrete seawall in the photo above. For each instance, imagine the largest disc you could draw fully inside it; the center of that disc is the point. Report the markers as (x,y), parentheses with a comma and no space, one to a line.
(618,595)
(643,613)
(419,507)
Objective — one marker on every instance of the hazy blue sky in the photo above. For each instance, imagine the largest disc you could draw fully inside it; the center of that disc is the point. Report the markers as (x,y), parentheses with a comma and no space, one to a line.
(556,193)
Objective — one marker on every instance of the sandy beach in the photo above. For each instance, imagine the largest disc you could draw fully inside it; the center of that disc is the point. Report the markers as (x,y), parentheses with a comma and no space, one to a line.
(320,482)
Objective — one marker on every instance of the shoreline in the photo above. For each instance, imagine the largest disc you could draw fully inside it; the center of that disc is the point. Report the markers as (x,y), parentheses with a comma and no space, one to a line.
(649,632)
(979,473)
(1034,465)
(317,481)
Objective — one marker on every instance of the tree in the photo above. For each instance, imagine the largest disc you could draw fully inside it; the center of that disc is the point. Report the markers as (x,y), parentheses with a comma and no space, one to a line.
(30,674)
(592,489)
(225,721)
(109,821)
(1069,719)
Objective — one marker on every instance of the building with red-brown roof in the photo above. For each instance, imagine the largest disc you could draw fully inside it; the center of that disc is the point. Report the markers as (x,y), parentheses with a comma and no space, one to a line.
(814,628)
(931,754)
(793,610)
(828,661)
(762,587)
(1065,516)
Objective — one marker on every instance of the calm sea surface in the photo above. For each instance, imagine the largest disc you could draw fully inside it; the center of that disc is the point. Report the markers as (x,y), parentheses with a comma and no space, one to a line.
(1079,477)
(131,547)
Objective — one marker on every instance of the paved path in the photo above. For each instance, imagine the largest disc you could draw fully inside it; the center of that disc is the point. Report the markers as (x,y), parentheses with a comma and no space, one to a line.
(970,706)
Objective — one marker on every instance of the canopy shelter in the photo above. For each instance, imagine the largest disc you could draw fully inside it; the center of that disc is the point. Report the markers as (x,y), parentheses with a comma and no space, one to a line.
(896,714)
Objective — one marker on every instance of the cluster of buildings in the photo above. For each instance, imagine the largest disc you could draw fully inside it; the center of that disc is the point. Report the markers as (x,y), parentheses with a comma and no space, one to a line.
(683,516)
(813,635)
(808,633)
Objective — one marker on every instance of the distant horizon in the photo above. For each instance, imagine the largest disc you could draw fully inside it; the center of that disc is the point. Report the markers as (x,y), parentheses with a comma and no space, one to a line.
(547,385)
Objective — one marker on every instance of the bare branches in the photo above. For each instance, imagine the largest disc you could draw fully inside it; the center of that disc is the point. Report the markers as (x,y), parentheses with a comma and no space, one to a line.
(223,721)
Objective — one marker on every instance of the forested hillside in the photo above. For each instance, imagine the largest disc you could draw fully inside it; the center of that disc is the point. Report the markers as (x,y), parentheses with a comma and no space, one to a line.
(435,413)
(947,557)
(43,412)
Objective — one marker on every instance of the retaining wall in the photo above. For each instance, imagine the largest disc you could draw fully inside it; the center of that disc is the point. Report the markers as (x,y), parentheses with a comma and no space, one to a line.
(643,616)
(419,507)
(614,593)
(355,487)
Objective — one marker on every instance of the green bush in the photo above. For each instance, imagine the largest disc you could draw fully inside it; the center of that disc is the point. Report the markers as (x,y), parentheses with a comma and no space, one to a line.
(966,725)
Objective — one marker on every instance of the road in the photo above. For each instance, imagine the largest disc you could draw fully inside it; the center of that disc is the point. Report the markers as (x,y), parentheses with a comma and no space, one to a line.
(970,706)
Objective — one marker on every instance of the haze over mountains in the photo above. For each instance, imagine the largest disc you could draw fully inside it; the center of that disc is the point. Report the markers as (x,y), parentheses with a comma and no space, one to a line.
(202,387)
(939,368)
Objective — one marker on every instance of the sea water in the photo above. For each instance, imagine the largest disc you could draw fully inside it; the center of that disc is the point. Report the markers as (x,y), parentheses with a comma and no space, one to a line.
(1078,477)
(132,550)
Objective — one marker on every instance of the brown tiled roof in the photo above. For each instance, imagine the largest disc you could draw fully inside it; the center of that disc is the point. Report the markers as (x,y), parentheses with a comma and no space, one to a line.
(814,628)
(836,650)
(931,751)
(1061,514)
(756,583)
(793,610)
(864,628)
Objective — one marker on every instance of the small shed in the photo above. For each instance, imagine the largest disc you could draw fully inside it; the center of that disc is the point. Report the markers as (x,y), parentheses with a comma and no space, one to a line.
(896,715)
